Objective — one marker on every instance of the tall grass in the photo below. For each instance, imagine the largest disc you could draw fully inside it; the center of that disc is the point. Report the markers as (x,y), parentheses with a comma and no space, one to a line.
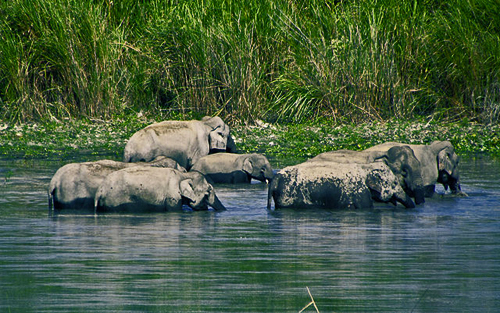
(247,60)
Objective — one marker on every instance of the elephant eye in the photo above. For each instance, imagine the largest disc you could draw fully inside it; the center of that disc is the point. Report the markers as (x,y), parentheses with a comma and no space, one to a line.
(404,172)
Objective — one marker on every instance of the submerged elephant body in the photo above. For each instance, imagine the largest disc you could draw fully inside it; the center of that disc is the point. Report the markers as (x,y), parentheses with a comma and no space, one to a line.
(183,141)
(336,186)
(439,164)
(400,159)
(144,189)
(233,168)
(74,185)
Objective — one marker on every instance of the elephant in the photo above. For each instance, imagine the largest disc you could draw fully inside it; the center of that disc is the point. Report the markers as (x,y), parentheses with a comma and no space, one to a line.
(74,185)
(439,164)
(234,168)
(183,141)
(333,185)
(400,159)
(146,189)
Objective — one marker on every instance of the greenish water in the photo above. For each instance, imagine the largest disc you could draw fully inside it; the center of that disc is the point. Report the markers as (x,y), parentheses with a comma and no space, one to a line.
(443,256)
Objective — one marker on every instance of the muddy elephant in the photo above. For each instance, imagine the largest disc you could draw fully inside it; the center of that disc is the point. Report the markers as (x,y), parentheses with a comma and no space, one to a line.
(233,168)
(334,185)
(74,185)
(439,164)
(400,159)
(183,141)
(146,189)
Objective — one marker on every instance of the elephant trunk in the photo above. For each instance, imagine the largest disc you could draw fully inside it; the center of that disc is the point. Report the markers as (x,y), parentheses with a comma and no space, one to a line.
(268,176)
(419,195)
(454,185)
(231,145)
(413,182)
(214,202)
(406,201)
(270,191)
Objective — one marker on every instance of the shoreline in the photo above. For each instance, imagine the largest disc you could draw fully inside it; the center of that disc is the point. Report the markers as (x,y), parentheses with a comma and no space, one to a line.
(278,141)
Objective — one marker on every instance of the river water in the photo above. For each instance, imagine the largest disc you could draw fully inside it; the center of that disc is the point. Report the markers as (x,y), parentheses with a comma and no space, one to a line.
(443,256)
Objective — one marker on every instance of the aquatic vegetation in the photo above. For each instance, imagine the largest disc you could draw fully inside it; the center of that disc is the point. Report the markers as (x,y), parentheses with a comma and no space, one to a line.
(280,142)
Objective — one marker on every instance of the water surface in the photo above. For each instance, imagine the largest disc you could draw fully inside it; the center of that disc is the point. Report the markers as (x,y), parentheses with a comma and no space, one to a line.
(443,256)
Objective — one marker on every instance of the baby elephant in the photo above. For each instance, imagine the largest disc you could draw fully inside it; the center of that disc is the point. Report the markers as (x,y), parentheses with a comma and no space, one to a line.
(146,189)
(74,185)
(234,168)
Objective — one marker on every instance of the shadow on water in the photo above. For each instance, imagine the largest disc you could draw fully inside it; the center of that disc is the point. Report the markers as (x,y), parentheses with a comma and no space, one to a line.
(443,256)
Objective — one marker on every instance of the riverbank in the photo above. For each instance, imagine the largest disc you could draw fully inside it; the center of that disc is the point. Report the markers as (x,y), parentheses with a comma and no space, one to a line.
(61,139)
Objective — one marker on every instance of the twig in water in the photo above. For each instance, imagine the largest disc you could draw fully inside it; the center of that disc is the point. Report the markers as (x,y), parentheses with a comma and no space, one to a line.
(310,303)
(419,299)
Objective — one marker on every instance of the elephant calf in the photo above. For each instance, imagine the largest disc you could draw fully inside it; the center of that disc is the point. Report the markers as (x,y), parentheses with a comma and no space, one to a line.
(234,168)
(146,189)
(336,186)
(74,185)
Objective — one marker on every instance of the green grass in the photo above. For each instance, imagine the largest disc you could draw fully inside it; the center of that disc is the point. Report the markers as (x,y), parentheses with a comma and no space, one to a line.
(284,144)
(291,61)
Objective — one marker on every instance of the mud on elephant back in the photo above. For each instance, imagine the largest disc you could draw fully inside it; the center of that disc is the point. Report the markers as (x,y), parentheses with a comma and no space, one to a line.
(332,185)
(400,159)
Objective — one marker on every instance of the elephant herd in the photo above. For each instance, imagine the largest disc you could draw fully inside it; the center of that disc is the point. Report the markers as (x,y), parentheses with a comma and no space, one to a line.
(174,163)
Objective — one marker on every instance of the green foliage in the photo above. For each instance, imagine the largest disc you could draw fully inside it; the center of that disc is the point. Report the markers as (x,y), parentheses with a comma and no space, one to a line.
(271,60)
(283,144)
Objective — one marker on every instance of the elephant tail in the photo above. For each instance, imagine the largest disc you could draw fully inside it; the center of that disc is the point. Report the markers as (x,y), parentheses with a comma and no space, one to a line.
(50,193)
(51,202)
(97,203)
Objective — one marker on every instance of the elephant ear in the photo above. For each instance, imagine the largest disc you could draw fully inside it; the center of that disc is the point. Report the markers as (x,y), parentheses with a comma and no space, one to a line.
(186,188)
(373,180)
(380,184)
(444,161)
(211,194)
(397,159)
(444,152)
(218,133)
(247,166)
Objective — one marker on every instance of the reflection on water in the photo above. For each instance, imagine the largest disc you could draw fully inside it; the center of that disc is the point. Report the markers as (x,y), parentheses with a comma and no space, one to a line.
(443,256)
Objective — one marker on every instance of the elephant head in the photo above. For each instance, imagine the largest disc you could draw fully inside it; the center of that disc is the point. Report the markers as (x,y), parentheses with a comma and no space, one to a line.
(198,193)
(404,164)
(219,137)
(385,187)
(258,167)
(447,162)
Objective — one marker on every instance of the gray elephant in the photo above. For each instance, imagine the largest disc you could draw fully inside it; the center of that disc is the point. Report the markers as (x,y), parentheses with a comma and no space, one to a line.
(400,159)
(74,185)
(439,164)
(233,168)
(336,186)
(183,141)
(146,189)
